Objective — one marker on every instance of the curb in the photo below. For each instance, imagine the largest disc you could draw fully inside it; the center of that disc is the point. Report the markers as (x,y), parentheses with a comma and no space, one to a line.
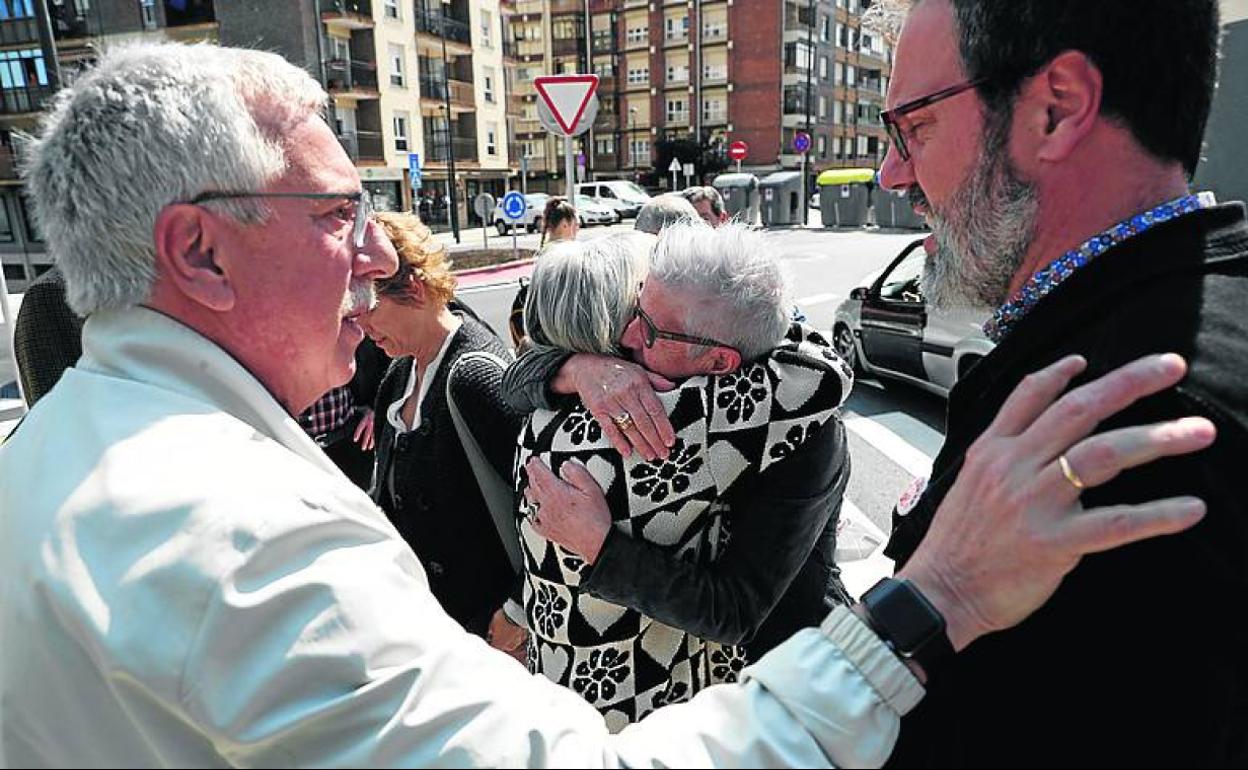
(489,269)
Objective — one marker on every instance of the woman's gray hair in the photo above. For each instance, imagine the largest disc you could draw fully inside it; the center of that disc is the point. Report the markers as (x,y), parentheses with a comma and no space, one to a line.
(733,270)
(584,292)
(149,126)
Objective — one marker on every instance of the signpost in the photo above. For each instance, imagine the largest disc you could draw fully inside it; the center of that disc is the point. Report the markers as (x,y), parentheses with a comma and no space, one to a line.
(413,167)
(801,142)
(688,173)
(738,151)
(567,108)
(801,145)
(674,169)
(483,204)
(514,206)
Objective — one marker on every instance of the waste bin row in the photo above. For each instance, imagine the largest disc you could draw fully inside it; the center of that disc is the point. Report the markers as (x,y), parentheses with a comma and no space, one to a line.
(846,197)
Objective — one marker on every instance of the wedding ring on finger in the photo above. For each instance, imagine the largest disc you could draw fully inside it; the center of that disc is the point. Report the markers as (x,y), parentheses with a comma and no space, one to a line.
(1070,474)
(624,421)
(535,509)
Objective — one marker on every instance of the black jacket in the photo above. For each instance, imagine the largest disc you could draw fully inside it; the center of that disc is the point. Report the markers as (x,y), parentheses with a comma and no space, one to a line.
(47,336)
(438,506)
(1139,658)
(775,576)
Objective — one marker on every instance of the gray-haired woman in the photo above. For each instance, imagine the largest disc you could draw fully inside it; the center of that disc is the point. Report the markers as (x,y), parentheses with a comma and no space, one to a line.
(624,661)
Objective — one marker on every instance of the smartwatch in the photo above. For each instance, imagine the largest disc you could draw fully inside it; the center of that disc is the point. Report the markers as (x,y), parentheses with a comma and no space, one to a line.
(907,622)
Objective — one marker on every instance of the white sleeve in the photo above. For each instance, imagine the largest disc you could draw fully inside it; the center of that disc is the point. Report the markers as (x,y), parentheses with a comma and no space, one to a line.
(325,647)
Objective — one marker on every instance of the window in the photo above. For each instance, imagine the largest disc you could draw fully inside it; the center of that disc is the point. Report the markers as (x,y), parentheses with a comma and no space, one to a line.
(342,49)
(491,139)
(397,55)
(713,110)
(604,69)
(825,29)
(823,147)
(677,73)
(842,35)
(714,29)
(565,28)
(6,227)
(147,9)
(637,35)
(851,75)
(22,69)
(487,89)
(714,72)
(487,29)
(677,112)
(400,132)
(677,28)
(392,9)
(639,151)
(838,111)
(823,106)
(639,75)
(604,146)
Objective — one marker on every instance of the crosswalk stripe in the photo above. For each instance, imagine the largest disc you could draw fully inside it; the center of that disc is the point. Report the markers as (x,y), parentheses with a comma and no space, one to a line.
(894,447)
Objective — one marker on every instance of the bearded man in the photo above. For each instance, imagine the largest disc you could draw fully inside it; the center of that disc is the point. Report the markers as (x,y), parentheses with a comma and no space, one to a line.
(1050,145)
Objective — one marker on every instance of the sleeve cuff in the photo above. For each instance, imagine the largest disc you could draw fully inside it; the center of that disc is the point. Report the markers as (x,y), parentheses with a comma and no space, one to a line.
(895,683)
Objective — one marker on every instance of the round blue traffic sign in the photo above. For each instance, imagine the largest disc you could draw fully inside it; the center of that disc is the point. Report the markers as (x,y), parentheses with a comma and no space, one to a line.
(801,141)
(514,206)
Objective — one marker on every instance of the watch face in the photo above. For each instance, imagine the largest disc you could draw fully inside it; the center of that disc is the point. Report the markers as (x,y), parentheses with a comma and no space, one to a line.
(902,616)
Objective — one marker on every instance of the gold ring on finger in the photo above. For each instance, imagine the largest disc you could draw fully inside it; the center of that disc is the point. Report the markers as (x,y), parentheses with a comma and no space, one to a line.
(1069,473)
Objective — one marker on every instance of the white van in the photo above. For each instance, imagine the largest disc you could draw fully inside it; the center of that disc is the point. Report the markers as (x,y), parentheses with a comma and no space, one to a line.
(623,196)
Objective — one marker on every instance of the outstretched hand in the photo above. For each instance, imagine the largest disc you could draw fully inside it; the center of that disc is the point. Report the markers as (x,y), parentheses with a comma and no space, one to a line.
(1012,527)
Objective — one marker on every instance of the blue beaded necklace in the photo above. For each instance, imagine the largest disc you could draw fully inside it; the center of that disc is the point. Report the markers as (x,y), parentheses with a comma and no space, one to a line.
(1048,279)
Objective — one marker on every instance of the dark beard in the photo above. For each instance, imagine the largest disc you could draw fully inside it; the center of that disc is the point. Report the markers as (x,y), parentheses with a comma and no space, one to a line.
(983,232)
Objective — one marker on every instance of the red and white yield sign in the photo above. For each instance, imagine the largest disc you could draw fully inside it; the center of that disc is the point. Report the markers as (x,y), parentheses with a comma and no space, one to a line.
(567,97)
(738,150)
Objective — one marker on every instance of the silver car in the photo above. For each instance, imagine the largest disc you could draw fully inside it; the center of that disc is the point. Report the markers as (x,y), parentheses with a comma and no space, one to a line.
(886,329)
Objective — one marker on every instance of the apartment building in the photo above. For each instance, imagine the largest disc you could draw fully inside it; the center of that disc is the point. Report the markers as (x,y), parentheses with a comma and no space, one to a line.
(549,39)
(715,71)
(395,70)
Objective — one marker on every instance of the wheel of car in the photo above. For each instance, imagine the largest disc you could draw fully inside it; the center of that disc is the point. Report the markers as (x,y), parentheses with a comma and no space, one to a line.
(502,227)
(843,341)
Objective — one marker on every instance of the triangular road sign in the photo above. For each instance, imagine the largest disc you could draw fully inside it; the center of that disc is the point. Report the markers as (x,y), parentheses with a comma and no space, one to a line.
(566,96)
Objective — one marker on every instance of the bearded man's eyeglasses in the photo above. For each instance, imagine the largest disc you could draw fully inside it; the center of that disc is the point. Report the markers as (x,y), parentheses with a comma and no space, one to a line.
(892,118)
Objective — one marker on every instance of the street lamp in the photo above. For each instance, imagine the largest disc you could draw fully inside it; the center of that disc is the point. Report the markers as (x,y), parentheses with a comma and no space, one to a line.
(450,142)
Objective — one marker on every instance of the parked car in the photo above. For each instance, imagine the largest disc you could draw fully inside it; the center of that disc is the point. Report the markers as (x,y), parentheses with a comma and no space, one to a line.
(9,391)
(534,205)
(887,329)
(618,194)
(591,212)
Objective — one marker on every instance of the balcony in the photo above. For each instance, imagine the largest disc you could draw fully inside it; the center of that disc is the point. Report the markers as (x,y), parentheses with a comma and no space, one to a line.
(462,94)
(678,118)
(566,6)
(21,31)
(511,47)
(569,46)
(465,149)
(715,76)
(606,121)
(364,146)
(8,164)
(676,38)
(24,100)
(604,42)
(531,47)
(355,79)
(69,19)
(188,13)
(347,15)
(715,118)
(434,22)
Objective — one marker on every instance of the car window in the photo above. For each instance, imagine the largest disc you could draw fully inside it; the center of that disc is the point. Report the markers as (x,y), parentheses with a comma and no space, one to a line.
(902,283)
(606,192)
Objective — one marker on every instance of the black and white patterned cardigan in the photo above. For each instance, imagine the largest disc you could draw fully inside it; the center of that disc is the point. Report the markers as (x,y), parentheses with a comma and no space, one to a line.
(728,428)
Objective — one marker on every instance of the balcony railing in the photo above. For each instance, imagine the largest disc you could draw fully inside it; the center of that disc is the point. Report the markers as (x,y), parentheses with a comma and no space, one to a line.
(715,117)
(714,34)
(465,149)
(8,163)
(678,118)
(364,145)
(434,87)
(18,101)
(19,31)
(434,22)
(569,46)
(681,36)
(340,7)
(712,76)
(344,76)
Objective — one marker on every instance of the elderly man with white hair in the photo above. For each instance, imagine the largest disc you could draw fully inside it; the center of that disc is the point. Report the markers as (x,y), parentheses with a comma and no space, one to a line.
(187,580)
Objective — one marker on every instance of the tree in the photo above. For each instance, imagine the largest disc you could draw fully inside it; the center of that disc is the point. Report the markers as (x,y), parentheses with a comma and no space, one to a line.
(708,157)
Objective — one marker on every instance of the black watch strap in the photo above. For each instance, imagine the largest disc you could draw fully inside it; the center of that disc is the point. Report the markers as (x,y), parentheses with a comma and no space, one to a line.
(908,623)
